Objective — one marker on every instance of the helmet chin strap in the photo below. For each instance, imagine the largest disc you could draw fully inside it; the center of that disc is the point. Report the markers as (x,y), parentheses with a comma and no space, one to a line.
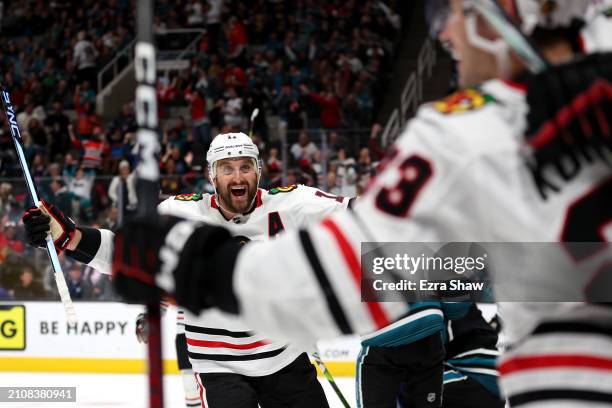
(498,48)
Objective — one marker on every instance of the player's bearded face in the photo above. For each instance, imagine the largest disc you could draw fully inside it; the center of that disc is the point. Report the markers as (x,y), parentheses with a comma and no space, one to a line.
(236,184)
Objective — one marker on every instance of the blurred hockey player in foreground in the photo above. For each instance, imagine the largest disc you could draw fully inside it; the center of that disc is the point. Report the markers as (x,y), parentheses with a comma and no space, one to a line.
(524,158)
(235,367)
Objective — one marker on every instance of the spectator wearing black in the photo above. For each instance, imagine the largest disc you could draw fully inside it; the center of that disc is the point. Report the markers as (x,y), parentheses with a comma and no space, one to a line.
(38,164)
(77,286)
(60,196)
(63,94)
(216,116)
(123,189)
(288,107)
(116,151)
(97,284)
(171,182)
(257,97)
(28,288)
(353,113)
(126,120)
(38,134)
(57,124)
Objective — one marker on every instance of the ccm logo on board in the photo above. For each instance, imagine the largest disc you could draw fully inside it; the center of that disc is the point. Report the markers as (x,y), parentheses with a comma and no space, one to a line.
(12,327)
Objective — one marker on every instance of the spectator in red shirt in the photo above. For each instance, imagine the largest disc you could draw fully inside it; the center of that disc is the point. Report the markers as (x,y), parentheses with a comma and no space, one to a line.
(234,76)
(376,151)
(237,41)
(200,122)
(8,240)
(331,110)
(274,165)
(87,119)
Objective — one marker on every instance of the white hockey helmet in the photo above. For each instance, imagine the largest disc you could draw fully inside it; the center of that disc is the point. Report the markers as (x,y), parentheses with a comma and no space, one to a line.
(230,145)
(546,14)
(550,13)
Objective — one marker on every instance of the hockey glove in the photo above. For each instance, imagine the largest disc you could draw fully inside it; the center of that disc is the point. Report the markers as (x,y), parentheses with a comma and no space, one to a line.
(163,255)
(570,110)
(46,219)
(142,328)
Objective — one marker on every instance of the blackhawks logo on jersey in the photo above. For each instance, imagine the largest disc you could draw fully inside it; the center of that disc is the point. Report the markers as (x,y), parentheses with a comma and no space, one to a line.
(287,189)
(189,197)
(463,101)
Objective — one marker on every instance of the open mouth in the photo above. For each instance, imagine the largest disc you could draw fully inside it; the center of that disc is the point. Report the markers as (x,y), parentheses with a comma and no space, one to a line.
(238,191)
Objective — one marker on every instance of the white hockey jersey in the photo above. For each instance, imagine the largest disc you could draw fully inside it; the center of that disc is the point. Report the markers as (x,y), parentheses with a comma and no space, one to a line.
(219,342)
(457,174)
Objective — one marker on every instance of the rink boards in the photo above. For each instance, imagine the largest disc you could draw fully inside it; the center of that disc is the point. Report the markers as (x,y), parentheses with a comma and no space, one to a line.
(35,337)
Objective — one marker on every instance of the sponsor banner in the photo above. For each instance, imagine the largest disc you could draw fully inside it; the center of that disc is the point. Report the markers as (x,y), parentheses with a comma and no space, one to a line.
(345,348)
(35,337)
(12,327)
(102,330)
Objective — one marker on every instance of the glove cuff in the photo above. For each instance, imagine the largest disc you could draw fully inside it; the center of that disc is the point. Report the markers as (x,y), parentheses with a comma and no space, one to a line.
(63,241)
(88,246)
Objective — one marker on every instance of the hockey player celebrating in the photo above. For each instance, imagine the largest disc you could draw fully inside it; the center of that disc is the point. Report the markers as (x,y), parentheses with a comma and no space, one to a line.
(487,164)
(235,367)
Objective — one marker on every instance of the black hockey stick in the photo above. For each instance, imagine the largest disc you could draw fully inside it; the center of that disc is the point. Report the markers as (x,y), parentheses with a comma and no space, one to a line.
(327,374)
(147,189)
(60,281)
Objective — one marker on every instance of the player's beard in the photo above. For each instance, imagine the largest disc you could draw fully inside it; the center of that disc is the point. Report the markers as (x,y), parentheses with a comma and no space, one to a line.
(238,204)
